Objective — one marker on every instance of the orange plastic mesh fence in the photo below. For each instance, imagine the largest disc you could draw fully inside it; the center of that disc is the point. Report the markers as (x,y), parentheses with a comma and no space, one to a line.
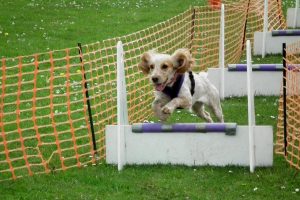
(44,124)
(44,115)
(205,46)
(292,109)
(255,16)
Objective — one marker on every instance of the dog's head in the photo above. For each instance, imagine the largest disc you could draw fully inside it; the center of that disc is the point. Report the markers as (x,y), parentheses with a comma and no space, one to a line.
(162,68)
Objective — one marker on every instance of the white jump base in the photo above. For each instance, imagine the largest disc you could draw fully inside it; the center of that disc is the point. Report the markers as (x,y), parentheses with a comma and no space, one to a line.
(273,44)
(191,149)
(291,17)
(235,82)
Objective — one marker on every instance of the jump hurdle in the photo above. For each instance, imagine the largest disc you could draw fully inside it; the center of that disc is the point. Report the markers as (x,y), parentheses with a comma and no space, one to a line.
(189,147)
(218,144)
(234,84)
(270,42)
(267,79)
(274,40)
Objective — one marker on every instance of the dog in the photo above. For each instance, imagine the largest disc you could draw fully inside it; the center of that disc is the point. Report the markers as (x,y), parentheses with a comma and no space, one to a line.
(176,86)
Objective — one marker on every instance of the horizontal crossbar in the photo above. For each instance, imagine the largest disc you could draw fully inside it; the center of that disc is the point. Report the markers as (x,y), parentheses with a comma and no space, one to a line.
(227,128)
(291,32)
(255,67)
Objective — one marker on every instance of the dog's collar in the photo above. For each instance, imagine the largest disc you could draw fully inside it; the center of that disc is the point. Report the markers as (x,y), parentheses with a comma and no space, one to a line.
(173,91)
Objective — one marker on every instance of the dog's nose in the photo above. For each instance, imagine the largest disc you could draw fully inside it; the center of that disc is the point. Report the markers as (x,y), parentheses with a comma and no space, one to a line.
(154,79)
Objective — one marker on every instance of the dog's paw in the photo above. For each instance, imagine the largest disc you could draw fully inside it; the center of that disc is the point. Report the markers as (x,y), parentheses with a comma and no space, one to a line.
(167,110)
(164,117)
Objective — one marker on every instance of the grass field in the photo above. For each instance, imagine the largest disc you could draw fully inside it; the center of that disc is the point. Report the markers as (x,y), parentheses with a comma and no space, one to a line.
(29,26)
(169,182)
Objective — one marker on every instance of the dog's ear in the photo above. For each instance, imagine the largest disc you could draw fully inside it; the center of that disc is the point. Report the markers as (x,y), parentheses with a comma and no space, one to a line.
(182,60)
(144,64)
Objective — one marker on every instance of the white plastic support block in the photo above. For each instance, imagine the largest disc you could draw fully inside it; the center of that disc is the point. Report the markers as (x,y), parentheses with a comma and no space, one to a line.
(192,149)
(122,112)
(264,82)
(291,19)
(251,111)
(222,51)
(273,44)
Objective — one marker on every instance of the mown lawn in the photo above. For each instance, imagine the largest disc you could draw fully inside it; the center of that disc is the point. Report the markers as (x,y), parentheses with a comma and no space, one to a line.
(29,26)
(158,182)
(170,182)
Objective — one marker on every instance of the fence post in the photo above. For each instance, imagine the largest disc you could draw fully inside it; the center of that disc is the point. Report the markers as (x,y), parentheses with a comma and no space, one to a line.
(122,112)
(284,98)
(193,27)
(265,30)
(88,101)
(245,27)
(222,52)
(251,109)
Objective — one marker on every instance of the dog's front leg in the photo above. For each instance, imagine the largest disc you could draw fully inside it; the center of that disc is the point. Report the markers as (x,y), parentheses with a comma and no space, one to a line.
(178,102)
(156,106)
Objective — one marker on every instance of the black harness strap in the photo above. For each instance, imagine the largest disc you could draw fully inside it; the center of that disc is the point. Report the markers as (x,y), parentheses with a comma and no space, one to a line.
(191,76)
(173,91)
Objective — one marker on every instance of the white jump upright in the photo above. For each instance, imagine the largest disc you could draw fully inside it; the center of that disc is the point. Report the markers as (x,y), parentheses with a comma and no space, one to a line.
(122,111)
(222,52)
(296,13)
(293,16)
(265,29)
(251,110)
(198,144)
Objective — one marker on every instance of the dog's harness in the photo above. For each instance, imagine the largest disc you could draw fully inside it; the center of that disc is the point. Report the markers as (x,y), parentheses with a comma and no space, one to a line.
(191,76)
(173,91)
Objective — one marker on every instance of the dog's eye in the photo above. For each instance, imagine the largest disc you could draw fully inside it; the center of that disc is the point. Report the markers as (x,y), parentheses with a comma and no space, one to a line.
(164,66)
(151,66)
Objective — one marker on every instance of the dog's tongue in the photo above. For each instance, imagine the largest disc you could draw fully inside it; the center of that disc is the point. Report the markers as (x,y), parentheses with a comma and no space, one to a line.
(159,87)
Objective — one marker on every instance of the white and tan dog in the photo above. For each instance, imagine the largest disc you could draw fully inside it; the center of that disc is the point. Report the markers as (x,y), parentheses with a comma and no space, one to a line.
(178,87)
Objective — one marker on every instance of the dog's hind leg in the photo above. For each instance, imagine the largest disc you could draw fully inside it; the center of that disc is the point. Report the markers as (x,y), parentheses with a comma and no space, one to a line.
(217,110)
(198,108)
(216,107)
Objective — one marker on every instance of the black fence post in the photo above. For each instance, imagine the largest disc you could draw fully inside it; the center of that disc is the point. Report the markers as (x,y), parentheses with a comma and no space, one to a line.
(193,27)
(284,98)
(88,101)
(245,28)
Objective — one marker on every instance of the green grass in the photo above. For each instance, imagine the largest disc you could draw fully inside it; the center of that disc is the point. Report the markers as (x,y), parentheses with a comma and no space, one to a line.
(33,26)
(41,25)
(235,110)
(30,26)
(158,182)
(170,182)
